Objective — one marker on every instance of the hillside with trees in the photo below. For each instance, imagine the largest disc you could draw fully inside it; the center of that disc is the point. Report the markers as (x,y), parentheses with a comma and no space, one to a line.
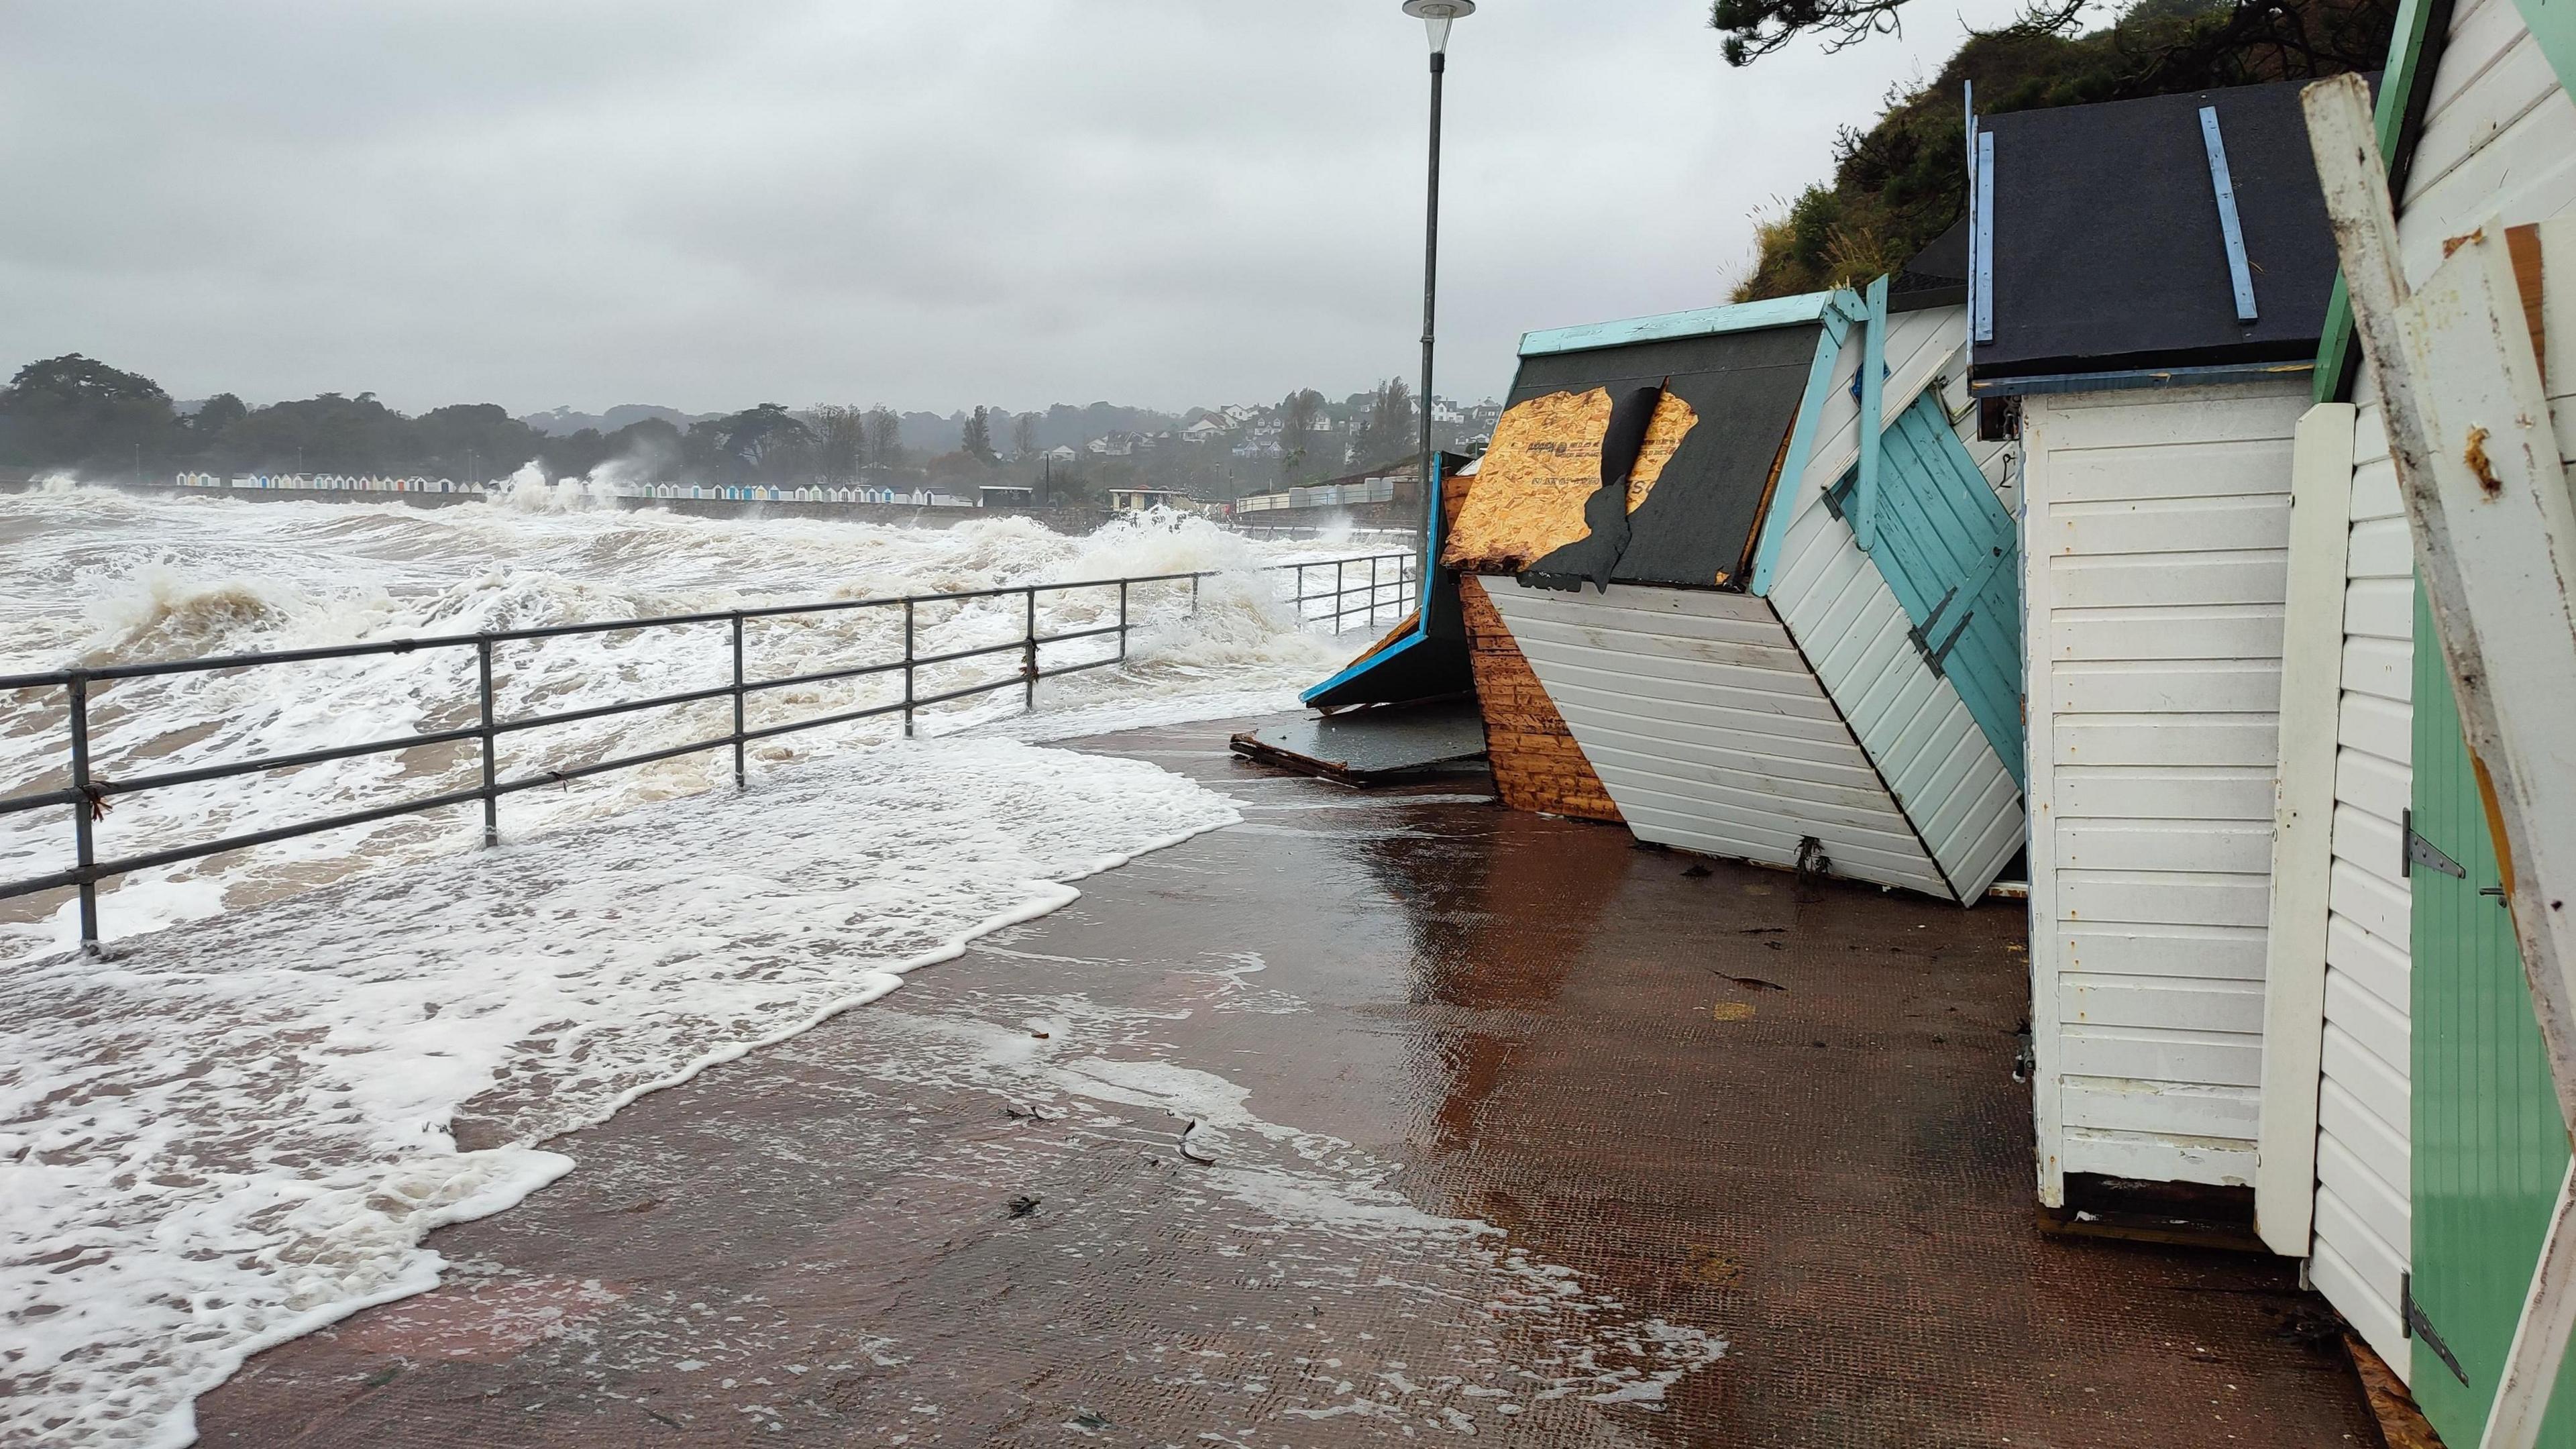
(1903,181)
(76,415)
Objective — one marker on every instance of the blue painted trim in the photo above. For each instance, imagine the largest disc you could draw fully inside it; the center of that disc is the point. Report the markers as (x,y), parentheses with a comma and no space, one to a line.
(2139,377)
(1430,569)
(1419,637)
(1802,441)
(2239,275)
(1873,384)
(1981,241)
(1706,322)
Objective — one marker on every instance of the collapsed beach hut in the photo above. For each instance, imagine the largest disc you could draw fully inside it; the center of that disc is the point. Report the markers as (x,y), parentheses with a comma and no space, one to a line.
(1741,579)
(2151,278)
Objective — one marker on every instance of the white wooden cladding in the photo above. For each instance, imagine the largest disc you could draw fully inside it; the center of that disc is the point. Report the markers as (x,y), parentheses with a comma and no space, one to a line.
(1958,794)
(1711,732)
(2360,1244)
(2155,532)
(2302,843)
(2494,146)
(1956,791)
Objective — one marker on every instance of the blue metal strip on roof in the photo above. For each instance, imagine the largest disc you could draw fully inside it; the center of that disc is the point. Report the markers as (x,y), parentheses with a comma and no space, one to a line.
(1947,549)
(1981,242)
(2239,275)
(1706,322)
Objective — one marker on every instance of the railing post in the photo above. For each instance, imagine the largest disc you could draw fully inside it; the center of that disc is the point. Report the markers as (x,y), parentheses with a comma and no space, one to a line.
(741,775)
(1194,596)
(1029,653)
(1373,558)
(907,669)
(491,744)
(1122,619)
(84,849)
(1340,595)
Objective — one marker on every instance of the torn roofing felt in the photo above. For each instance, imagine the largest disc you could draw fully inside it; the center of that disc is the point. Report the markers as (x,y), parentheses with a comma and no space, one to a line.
(1695,493)
(2109,249)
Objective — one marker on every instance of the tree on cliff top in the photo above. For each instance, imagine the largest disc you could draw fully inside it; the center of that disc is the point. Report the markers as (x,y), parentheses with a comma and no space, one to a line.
(1903,182)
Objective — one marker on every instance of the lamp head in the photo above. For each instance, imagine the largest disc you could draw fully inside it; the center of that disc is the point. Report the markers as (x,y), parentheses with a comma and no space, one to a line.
(1435,16)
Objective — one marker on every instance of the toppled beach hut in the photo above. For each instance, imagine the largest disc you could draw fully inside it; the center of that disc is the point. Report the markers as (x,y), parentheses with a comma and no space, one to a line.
(1754,562)
(2151,278)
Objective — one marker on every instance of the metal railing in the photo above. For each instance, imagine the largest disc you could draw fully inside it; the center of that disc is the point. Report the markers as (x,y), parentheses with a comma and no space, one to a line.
(88,793)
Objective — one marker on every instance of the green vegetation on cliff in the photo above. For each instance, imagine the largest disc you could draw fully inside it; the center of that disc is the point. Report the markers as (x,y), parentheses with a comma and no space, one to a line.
(1903,182)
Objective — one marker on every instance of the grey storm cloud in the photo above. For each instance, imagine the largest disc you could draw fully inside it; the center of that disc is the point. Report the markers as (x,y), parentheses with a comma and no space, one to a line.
(927,204)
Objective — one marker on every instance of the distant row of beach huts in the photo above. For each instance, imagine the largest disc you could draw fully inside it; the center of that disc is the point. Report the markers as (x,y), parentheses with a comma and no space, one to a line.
(2071,555)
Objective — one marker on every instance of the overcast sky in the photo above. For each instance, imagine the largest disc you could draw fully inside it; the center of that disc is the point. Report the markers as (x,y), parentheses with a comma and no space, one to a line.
(1159,202)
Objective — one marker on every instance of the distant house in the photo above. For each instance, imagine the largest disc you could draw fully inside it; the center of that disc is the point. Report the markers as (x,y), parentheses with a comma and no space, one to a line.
(1141,500)
(1004,495)
(1063,453)
(1206,430)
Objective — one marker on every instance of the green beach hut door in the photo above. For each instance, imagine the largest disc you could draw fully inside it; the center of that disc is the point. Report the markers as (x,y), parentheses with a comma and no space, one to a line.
(2489,1147)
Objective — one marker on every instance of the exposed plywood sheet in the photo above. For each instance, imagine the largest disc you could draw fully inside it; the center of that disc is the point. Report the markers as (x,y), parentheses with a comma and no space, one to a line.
(1543,466)
(1695,526)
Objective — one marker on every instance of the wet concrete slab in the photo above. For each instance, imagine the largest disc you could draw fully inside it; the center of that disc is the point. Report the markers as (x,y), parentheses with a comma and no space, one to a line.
(1504,1128)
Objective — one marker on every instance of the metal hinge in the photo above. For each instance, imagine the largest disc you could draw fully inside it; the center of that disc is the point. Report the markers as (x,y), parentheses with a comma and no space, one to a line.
(2425,853)
(2413,1323)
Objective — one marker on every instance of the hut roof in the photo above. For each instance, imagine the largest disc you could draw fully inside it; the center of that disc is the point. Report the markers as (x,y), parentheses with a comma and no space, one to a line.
(2109,254)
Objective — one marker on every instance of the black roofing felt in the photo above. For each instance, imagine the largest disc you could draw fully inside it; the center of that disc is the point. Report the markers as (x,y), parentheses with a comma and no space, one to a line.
(1936,276)
(1696,523)
(2107,249)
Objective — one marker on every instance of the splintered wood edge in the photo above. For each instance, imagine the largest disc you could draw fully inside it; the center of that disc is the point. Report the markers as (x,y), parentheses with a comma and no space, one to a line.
(2400,1423)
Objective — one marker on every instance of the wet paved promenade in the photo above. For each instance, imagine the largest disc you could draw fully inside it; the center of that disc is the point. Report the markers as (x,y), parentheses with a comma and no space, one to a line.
(1759,1169)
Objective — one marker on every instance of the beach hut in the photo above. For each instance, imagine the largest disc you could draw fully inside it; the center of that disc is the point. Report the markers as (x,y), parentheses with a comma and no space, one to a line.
(2150,279)
(2411,1144)
(1741,579)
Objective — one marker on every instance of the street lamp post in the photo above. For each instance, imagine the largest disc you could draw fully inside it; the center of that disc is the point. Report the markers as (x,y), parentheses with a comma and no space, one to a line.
(1435,16)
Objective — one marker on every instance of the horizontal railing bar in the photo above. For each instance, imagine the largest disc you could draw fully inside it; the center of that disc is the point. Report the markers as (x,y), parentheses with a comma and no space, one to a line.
(602,711)
(821,676)
(15,803)
(34,884)
(792,726)
(1081,634)
(602,767)
(278,762)
(177,854)
(1076,668)
(1013,682)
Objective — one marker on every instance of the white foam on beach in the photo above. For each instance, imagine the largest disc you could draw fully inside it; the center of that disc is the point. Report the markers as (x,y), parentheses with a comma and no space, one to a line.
(241,1130)
(97,576)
